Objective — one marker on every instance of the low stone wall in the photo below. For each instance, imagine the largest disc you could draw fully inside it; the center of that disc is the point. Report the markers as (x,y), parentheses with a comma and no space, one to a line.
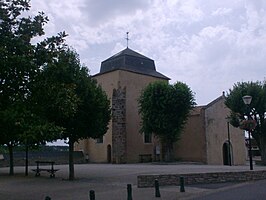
(199,178)
(59,158)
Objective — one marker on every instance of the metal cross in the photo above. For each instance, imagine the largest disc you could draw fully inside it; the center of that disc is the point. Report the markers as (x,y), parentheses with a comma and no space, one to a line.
(127,39)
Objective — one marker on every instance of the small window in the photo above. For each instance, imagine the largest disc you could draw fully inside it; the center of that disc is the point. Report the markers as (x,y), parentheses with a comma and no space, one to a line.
(99,140)
(147,138)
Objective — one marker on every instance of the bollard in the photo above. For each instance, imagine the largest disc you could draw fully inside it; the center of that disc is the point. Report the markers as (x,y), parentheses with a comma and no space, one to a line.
(129,192)
(47,198)
(157,190)
(92,195)
(182,184)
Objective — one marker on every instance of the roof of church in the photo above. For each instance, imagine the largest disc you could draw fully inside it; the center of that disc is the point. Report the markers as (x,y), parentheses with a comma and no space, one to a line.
(215,100)
(197,110)
(132,61)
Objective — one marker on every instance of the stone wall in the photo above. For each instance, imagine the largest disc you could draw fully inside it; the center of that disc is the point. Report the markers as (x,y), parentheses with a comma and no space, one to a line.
(119,125)
(200,178)
(217,136)
(59,158)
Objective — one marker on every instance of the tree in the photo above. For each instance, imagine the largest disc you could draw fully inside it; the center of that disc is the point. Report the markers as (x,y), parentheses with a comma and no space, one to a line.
(164,109)
(73,101)
(257,110)
(20,65)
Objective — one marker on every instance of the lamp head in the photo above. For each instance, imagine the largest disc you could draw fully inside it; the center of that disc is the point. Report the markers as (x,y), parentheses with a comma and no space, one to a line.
(247,99)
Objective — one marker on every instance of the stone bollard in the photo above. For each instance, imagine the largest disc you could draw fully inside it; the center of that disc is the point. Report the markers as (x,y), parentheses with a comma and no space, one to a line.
(92,195)
(129,192)
(182,184)
(157,190)
(47,198)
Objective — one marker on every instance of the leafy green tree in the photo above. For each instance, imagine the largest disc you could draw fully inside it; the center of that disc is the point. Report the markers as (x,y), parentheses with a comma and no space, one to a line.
(164,109)
(257,110)
(35,131)
(74,101)
(20,65)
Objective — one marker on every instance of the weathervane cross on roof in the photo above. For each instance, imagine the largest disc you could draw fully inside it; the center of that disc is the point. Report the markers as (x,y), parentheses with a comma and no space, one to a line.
(127,39)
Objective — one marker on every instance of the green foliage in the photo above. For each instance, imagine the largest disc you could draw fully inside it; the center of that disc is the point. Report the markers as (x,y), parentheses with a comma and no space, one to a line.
(257,109)
(72,99)
(3,149)
(20,66)
(234,98)
(164,109)
(45,93)
(258,104)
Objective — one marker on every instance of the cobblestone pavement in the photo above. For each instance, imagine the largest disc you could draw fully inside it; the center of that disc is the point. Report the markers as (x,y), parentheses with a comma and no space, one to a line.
(108,181)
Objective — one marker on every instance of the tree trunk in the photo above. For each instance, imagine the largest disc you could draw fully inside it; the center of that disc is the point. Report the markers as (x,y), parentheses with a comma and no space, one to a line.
(27,160)
(71,160)
(164,152)
(263,149)
(168,151)
(11,159)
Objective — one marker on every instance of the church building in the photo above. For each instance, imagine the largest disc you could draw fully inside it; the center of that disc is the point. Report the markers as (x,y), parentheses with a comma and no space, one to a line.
(209,138)
(205,138)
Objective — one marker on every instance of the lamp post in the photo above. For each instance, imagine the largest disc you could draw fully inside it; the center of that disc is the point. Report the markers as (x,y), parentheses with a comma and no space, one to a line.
(247,100)
(229,144)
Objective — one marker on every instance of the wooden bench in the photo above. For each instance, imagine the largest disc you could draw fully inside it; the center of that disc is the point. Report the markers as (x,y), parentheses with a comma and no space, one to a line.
(51,170)
(145,158)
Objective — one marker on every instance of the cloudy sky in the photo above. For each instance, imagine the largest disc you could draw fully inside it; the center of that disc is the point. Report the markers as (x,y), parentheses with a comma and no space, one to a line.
(209,45)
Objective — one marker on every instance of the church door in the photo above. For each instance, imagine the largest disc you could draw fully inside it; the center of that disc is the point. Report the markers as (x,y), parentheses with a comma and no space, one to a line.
(226,154)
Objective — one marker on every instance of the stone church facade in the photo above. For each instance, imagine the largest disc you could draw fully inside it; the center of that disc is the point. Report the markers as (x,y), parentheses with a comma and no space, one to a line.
(205,138)
(209,138)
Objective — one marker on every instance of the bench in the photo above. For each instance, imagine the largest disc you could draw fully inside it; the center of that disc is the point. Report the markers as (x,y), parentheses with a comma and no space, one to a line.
(145,158)
(51,170)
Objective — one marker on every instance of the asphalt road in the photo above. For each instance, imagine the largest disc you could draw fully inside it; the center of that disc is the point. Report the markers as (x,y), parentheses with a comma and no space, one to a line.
(246,191)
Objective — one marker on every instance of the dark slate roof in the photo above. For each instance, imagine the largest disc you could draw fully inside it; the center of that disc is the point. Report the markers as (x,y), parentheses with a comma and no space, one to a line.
(132,61)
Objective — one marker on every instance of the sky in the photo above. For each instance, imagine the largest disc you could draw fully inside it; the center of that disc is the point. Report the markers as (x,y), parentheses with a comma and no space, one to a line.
(209,45)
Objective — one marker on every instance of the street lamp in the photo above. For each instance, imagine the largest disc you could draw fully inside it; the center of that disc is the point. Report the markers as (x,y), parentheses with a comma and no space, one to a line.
(229,143)
(247,100)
